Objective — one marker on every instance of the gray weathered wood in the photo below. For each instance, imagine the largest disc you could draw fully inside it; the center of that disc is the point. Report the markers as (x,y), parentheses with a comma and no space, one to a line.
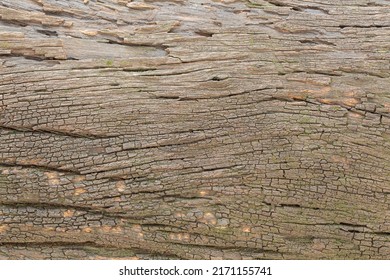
(195,129)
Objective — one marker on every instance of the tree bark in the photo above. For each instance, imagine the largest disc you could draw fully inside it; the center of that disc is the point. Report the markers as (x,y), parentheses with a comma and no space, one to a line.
(195,129)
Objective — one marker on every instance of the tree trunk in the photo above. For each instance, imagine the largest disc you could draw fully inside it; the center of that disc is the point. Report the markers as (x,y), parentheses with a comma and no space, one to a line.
(195,129)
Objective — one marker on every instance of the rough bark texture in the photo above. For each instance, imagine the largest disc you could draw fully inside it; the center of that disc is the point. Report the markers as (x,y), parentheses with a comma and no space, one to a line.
(195,129)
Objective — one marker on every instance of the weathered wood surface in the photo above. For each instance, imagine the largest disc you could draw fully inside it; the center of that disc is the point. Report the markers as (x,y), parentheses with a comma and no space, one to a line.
(195,129)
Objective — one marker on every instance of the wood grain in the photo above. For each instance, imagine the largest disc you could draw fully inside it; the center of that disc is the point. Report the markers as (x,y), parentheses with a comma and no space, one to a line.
(195,129)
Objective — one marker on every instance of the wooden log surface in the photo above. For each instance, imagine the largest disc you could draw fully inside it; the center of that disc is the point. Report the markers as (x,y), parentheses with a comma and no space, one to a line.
(197,129)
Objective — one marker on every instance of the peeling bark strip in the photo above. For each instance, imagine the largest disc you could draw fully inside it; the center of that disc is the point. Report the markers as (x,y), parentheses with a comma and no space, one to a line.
(194,129)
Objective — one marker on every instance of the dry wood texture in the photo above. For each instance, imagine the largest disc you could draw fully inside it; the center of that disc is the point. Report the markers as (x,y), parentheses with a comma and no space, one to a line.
(194,129)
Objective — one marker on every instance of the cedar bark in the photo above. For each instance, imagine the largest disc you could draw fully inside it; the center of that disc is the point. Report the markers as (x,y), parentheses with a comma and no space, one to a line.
(195,129)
